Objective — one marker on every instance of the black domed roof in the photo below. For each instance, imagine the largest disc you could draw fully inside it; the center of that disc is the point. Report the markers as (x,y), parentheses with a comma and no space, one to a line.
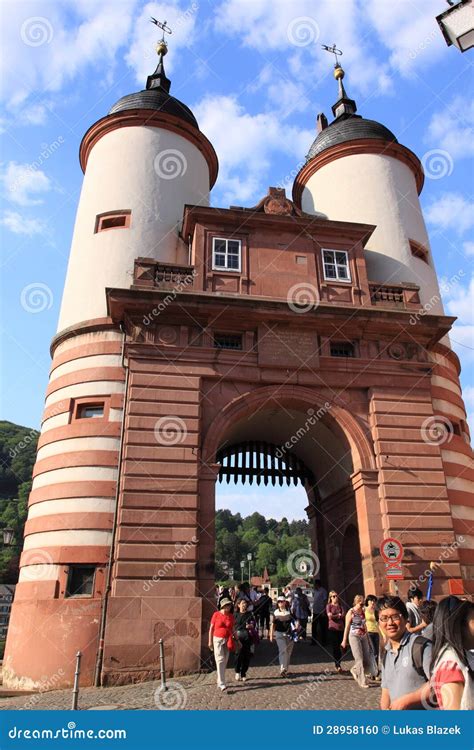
(349,129)
(156,95)
(158,99)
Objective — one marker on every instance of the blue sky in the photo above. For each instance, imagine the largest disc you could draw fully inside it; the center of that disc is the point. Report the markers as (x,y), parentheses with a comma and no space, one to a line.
(255,75)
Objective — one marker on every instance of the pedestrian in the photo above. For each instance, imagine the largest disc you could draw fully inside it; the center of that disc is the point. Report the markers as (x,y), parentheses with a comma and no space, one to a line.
(262,613)
(427,610)
(335,613)
(405,659)
(319,625)
(355,632)
(245,631)
(221,639)
(452,663)
(224,594)
(282,630)
(373,629)
(244,593)
(415,623)
(300,610)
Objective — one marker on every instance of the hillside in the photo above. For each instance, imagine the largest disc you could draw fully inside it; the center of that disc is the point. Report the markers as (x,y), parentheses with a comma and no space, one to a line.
(17,457)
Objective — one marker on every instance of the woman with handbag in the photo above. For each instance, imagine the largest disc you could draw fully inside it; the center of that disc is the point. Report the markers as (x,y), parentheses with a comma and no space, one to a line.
(335,612)
(245,631)
(221,639)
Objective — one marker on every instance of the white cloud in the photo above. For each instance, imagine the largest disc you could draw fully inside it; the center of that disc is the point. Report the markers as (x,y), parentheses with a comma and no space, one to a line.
(451,211)
(468,396)
(245,145)
(468,248)
(452,129)
(460,302)
(21,182)
(409,30)
(18,224)
(47,45)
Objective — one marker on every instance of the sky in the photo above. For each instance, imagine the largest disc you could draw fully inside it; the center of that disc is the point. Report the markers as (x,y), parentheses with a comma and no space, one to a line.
(255,75)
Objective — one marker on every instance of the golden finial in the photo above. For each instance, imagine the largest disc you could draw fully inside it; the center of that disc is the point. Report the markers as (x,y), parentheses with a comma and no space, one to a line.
(162,47)
(338,72)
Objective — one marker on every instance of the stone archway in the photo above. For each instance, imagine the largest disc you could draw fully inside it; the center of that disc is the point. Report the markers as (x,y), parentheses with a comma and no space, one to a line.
(351,498)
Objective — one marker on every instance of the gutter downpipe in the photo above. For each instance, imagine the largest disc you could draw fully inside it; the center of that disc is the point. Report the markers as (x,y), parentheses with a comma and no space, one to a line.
(105,597)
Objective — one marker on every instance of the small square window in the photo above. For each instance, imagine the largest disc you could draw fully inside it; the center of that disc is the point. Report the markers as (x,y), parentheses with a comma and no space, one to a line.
(112,220)
(90,411)
(226,254)
(228,341)
(80,580)
(342,349)
(419,251)
(336,265)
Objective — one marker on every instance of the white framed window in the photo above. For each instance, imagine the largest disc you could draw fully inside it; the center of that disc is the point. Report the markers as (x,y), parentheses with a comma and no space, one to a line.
(226,254)
(336,265)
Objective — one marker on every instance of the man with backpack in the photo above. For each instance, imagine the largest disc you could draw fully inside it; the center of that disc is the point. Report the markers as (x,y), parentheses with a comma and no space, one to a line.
(405,660)
(300,610)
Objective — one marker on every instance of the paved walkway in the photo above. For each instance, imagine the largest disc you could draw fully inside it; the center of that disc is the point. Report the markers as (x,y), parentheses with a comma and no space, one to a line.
(312,684)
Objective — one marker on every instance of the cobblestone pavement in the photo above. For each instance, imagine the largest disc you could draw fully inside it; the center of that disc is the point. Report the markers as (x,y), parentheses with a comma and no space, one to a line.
(312,684)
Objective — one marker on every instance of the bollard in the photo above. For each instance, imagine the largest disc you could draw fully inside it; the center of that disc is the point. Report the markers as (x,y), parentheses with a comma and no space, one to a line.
(162,665)
(75,690)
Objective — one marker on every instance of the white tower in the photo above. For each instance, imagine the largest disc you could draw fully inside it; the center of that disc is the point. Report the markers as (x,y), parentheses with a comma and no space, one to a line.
(142,163)
(357,171)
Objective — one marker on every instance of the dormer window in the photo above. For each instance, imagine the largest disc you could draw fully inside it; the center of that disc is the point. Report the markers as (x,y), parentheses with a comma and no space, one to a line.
(226,254)
(336,265)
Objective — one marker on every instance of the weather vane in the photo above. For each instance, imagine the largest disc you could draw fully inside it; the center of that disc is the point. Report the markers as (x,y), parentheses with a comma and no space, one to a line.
(165,29)
(333,50)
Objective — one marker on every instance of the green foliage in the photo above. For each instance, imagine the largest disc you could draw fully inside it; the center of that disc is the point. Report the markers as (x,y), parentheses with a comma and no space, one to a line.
(270,542)
(17,457)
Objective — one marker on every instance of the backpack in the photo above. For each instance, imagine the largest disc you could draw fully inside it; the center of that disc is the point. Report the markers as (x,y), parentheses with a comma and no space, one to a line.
(419,645)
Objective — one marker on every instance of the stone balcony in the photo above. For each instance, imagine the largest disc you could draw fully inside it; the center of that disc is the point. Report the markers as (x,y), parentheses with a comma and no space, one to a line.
(151,274)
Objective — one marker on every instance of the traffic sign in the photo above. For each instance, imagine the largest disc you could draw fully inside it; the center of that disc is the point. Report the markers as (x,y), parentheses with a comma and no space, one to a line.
(393,571)
(391,550)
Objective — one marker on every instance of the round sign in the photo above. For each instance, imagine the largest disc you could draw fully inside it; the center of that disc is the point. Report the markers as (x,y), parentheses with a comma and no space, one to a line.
(391,550)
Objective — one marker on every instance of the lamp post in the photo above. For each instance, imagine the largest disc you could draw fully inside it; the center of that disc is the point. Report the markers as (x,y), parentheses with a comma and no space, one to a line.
(457,24)
(249,558)
(8,536)
(242,566)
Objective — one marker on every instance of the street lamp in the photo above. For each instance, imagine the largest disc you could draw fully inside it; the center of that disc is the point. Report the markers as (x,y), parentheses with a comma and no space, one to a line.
(8,536)
(457,24)
(249,558)
(242,566)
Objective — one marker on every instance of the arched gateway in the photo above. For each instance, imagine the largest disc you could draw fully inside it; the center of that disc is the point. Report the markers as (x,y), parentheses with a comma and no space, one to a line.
(313,326)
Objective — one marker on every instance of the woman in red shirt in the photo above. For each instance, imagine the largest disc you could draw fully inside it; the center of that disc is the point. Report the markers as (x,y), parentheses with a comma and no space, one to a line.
(221,639)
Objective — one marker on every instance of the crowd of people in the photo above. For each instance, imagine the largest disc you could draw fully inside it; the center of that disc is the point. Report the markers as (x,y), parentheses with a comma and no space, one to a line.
(420,652)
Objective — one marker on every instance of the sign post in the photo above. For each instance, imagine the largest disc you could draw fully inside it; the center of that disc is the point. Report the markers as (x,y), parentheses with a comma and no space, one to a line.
(392,552)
